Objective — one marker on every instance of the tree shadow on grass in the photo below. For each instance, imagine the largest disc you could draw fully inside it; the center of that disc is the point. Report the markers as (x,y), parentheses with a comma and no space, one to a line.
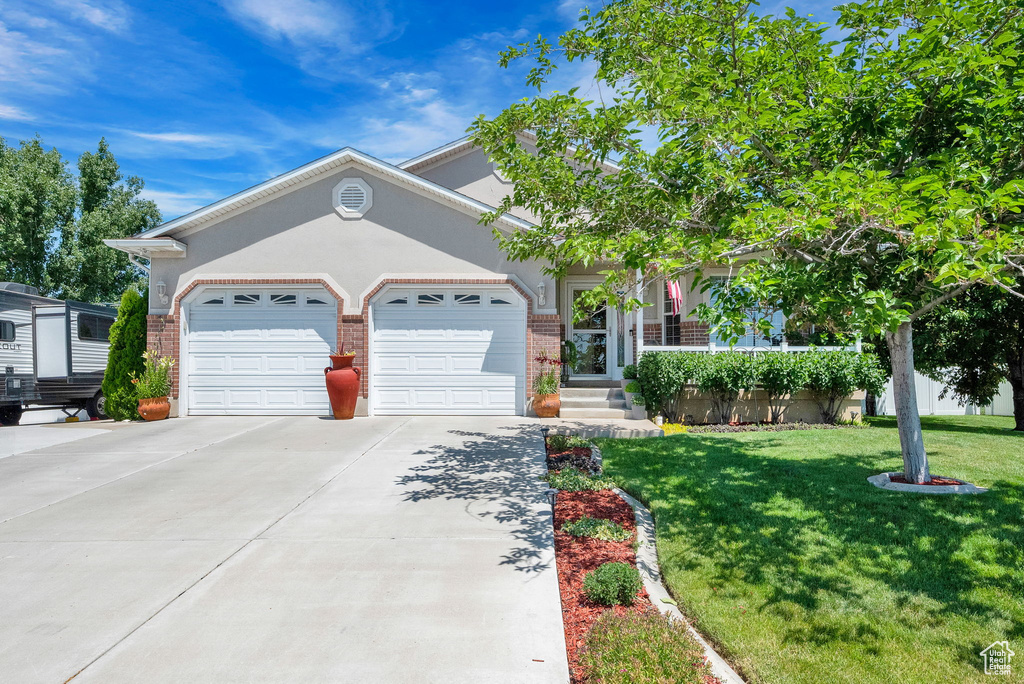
(496,473)
(814,535)
(949,424)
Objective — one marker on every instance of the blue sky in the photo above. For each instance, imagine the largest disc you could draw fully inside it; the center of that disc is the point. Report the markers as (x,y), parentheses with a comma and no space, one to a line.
(202,99)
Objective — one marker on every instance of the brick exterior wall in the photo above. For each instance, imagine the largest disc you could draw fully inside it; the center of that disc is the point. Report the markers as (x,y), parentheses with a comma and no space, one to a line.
(693,332)
(162,330)
(543,333)
(652,334)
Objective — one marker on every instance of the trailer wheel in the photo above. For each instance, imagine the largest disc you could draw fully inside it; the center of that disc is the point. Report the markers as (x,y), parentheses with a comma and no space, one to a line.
(10,414)
(96,405)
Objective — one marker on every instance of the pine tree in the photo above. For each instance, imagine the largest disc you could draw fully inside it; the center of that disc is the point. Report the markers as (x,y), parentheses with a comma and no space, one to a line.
(127,343)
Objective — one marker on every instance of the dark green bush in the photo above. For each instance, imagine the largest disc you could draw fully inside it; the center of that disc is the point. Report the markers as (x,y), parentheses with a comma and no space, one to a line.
(722,376)
(834,375)
(612,584)
(780,375)
(629,372)
(597,528)
(663,376)
(642,648)
(127,344)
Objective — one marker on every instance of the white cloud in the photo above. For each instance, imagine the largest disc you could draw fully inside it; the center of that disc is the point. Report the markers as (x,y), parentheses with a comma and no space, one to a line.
(570,9)
(111,15)
(12,113)
(35,64)
(415,131)
(293,20)
(176,137)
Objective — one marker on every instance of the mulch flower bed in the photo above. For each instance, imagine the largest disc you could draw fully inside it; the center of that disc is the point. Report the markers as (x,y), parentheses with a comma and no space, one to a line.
(937,481)
(576,556)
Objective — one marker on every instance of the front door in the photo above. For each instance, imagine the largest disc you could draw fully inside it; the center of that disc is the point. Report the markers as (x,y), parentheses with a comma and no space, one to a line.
(592,336)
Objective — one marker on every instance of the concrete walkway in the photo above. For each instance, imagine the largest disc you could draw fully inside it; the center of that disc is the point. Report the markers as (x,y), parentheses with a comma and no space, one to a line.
(281,550)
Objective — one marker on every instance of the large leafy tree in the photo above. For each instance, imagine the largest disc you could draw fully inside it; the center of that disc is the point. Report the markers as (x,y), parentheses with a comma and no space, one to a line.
(974,342)
(860,184)
(37,201)
(109,206)
(52,224)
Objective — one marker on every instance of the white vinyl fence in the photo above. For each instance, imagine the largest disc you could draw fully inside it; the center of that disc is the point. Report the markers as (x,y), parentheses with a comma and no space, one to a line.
(929,403)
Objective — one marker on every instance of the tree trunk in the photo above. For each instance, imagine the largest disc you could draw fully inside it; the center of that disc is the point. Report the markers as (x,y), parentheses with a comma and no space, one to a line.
(1016,378)
(870,405)
(904,389)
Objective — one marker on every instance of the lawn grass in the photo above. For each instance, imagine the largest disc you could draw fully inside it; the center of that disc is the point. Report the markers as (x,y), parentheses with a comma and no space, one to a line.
(782,552)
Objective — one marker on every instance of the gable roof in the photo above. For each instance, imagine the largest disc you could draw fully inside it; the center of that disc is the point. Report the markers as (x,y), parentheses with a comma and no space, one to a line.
(317,167)
(457,147)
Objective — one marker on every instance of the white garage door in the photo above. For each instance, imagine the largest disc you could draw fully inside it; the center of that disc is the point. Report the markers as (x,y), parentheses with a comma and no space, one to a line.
(449,350)
(259,351)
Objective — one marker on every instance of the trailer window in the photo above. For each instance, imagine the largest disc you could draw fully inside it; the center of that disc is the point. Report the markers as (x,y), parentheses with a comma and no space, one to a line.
(93,327)
(7,331)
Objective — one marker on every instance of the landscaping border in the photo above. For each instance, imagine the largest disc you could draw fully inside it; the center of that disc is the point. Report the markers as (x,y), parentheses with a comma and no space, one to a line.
(883,481)
(647,564)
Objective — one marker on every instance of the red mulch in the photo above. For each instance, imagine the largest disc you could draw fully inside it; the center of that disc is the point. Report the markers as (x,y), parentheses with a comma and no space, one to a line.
(576,556)
(937,481)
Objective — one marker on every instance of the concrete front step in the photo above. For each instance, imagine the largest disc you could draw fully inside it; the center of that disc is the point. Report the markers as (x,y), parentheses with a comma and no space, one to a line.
(592,393)
(566,412)
(594,403)
(573,384)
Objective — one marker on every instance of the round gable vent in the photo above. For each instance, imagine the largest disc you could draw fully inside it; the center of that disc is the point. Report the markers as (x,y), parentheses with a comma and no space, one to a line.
(352,197)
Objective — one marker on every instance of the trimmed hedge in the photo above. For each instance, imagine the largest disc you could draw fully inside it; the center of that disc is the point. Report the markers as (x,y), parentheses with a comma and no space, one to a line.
(830,377)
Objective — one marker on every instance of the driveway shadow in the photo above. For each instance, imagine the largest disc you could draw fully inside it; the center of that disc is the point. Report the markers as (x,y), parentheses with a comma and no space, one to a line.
(497,474)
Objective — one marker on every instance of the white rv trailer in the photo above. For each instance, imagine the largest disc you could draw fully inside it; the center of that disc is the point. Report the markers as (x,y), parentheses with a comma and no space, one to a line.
(52,352)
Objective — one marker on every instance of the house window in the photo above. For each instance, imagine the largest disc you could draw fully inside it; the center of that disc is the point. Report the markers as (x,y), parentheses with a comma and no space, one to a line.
(315,301)
(400,300)
(283,300)
(430,299)
(467,299)
(753,338)
(499,301)
(670,328)
(246,299)
(93,328)
(213,301)
(7,331)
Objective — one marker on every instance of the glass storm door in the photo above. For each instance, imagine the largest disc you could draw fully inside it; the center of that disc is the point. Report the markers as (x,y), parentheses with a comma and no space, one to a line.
(591,335)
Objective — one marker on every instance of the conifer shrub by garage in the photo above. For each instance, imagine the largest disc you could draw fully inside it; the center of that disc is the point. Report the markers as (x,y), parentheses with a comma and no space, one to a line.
(127,344)
(612,584)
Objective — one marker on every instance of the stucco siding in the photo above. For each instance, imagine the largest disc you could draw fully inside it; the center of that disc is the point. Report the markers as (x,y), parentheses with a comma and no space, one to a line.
(299,232)
(473,175)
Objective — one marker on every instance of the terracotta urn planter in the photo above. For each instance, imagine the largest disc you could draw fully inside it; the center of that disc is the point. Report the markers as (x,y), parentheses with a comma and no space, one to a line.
(342,385)
(156,408)
(546,405)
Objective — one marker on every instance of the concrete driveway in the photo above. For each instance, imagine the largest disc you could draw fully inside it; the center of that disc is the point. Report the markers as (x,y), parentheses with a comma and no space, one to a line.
(279,550)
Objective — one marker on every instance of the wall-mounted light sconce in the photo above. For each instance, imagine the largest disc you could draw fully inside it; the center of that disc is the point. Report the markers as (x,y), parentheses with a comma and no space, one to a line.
(541,289)
(161,292)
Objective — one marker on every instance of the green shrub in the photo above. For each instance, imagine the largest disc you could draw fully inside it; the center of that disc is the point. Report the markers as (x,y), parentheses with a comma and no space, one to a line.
(629,372)
(573,480)
(834,375)
(566,442)
(127,343)
(612,584)
(597,528)
(642,648)
(780,375)
(663,376)
(634,387)
(721,377)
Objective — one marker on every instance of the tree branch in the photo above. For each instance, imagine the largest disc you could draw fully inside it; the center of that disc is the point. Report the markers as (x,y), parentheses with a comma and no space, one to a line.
(939,300)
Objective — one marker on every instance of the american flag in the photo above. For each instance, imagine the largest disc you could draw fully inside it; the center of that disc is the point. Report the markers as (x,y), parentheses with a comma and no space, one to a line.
(675,293)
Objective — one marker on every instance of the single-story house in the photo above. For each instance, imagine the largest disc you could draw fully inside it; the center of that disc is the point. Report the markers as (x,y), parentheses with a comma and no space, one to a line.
(250,293)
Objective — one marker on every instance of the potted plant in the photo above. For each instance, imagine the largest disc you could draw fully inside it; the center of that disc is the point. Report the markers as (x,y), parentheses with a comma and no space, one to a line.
(342,384)
(545,386)
(154,385)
